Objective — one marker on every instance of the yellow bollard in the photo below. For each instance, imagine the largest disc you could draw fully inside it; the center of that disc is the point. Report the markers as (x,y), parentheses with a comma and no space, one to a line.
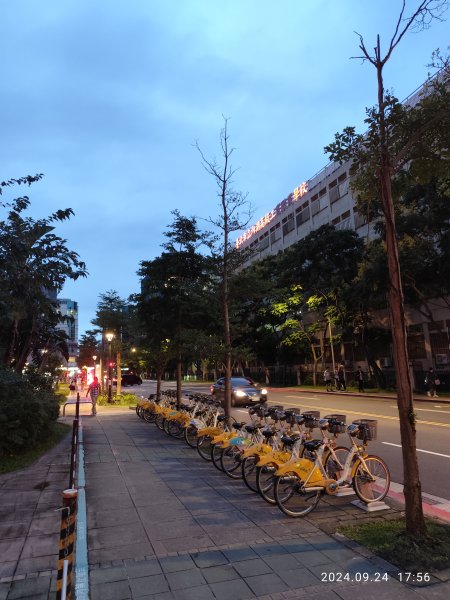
(66,543)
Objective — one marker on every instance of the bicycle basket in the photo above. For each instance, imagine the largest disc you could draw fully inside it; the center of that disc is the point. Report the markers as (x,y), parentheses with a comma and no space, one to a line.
(311,419)
(367,429)
(336,423)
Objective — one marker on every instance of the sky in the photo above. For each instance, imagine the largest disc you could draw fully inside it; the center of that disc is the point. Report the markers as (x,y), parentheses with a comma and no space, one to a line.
(108,98)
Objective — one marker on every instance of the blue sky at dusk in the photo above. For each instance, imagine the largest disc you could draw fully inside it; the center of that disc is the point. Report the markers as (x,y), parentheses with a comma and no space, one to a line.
(108,98)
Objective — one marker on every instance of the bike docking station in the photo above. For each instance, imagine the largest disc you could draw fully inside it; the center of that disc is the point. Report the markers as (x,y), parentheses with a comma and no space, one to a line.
(371,506)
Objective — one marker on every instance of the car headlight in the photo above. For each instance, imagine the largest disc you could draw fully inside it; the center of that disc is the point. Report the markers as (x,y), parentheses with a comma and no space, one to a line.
(264,391)
(240,393)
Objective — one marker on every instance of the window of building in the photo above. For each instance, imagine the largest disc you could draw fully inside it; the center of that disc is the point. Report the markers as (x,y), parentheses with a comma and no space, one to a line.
(334,194)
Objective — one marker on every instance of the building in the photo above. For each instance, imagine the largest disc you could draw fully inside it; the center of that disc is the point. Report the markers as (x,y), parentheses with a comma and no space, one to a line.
(326,198)
(69,308)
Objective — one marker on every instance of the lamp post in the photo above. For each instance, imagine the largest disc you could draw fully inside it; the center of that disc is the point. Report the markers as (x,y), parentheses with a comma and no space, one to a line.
(109,336)
(94,358)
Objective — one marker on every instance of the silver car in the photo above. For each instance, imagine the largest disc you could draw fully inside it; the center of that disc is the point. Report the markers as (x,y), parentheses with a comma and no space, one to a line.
(244,391)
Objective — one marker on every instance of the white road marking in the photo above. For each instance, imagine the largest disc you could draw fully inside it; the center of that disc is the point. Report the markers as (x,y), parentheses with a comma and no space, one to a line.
(363,414)
(446,412)
(418,450)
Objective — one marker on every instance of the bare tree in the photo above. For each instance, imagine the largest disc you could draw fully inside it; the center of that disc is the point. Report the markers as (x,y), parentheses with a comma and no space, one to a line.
(235,215)
(421,18)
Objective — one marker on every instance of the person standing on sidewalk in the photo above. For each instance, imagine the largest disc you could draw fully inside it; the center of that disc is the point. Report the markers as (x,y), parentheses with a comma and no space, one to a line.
(327,380)
(432,381)
(341,378)
(360,379)
(93,391)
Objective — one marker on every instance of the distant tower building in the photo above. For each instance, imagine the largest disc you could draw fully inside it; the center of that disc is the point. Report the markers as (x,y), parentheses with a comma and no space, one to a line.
(69,308)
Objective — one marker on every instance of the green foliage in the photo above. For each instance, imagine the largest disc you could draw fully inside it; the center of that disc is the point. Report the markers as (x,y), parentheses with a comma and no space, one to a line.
(122,400)
(12,462)
(28,409)
(34,264)
(390,540)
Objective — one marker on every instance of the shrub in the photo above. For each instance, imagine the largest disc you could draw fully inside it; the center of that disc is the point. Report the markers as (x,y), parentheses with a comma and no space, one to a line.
(28,408)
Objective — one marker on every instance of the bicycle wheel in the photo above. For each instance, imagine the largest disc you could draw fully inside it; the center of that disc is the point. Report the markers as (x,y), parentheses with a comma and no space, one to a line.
(165,426)
(265,478)
(148,416)
(159,421)
(216,453)
(204,447)
(334,463)
(292,498)
(175,429)
(230,460)
(249,472)
(190,436)
(371,481)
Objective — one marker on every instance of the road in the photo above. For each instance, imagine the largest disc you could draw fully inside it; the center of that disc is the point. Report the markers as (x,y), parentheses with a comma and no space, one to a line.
(433,430)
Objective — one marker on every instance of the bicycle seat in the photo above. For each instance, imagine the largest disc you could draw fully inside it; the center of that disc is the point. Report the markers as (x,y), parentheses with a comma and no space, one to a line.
(289,440)
(238,425)
(251,428)
(299,419)
(353,429)
(268,433)
(313,445)
(221,418)
(323,423)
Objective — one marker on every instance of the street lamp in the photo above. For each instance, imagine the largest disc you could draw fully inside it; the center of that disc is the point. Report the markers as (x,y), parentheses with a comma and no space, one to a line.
(109,336)
(94,358)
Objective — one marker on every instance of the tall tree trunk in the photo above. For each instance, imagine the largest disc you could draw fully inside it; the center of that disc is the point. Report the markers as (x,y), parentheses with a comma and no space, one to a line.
(415,522)
(119,373)
(179,377)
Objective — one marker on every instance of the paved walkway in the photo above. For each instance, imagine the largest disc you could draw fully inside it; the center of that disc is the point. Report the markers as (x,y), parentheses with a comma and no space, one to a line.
(165,525)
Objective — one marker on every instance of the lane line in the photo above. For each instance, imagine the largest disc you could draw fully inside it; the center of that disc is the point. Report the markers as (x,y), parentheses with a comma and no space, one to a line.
(365,414)
(418,450)
(446,412)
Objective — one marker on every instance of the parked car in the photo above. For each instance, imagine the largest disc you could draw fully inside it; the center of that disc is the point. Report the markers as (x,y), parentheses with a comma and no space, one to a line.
(244,391)
(129,379)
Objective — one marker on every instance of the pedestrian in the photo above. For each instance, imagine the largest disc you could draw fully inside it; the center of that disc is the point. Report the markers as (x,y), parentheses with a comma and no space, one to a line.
(432,381)
(327,380)
(360,379)
(336,379)
(93,391)
(341,378)
(73,386)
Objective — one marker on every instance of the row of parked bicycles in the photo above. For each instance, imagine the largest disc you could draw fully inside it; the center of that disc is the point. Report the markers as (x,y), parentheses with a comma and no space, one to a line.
(277,452)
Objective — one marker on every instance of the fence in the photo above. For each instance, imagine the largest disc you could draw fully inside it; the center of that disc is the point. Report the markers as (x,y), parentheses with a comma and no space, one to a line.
(68,518)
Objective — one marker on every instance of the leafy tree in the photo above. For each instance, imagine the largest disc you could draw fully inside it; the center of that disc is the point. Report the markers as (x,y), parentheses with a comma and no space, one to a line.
(378,156)
(112,315)
(173,287)
(88,347)
(34,265)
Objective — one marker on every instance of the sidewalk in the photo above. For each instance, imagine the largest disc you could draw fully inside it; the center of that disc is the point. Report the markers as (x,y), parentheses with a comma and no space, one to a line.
(165,525)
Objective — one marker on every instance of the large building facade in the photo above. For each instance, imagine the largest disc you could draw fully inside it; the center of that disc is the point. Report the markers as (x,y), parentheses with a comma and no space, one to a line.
(326,198)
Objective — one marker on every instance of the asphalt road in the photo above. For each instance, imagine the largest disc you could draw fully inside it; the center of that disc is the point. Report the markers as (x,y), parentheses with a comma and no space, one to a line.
(433,429)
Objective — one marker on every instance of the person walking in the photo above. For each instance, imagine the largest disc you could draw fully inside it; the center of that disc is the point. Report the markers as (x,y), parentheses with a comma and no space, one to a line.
(432,381)
(73,386)
(337,384)
(327,379)
(341,378)
(360,379)
(93,391)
